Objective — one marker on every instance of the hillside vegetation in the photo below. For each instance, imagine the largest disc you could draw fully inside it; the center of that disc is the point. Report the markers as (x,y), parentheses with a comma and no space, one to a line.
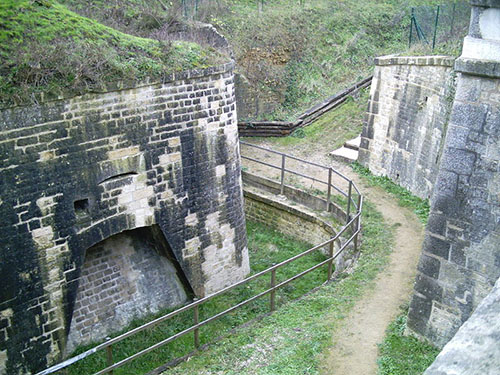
(45,47)
(293,53)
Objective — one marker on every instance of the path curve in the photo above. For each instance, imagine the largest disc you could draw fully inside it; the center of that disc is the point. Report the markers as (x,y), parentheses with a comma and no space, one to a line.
(354,348)
(354,345)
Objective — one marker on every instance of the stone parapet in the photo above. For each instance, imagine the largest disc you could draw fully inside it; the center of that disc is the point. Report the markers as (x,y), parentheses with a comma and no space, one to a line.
(478,67)
(475,349)
(415,60)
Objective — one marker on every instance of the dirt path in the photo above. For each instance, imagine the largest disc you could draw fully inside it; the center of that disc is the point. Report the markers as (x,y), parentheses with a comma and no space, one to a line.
(354,349)
(354,345)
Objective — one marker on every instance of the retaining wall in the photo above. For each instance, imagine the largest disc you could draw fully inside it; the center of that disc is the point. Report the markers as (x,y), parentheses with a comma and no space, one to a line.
(406,120)
(77,171)
(460,260)
(297,214)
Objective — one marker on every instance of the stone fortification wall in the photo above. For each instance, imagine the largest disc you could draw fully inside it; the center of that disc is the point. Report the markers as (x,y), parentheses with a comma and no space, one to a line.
(474,350)
(285,218)
(77,171)
(460,259)
(406,120)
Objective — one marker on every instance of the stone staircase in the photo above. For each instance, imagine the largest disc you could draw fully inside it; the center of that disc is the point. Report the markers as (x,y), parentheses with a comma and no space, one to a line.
(348,152)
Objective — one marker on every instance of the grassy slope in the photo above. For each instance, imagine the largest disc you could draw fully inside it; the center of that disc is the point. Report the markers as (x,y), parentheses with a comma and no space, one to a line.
(292,340)
(300,54)
(266,247)
(44,47)
(404,355)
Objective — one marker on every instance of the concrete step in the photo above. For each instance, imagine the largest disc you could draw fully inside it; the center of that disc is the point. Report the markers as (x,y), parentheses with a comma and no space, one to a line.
(345,154)
(353,143)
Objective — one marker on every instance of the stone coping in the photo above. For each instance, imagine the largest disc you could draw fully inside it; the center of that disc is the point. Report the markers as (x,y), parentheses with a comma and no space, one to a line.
(485,3)
(288,206)
(41,98)
(475,67)
(415,60)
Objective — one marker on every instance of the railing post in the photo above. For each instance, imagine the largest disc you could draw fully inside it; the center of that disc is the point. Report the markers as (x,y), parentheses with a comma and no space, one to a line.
(273,292)
(330,263)
(358,221)
(196,316)
(282,190)
(349,196)
(109,356)
(329,194)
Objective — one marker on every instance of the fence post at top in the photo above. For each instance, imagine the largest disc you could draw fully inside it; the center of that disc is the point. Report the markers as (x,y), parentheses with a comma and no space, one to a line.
(411,25)
(435,28)
(109,357)
(329,194)
(196,316)
(453,17)
(349,196)
(273,292)
(282,189)
(330,263)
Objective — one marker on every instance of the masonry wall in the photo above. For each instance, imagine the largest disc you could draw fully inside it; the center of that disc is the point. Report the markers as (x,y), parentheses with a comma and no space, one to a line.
(406,120)
(128,275)
(460,259)
(77,171)
(294,220)
(286,219)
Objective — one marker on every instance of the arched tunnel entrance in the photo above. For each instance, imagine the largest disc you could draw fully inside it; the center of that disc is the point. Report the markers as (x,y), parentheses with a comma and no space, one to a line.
(126,276)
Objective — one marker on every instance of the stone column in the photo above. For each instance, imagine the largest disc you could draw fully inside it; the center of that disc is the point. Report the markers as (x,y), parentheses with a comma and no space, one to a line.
(460,260)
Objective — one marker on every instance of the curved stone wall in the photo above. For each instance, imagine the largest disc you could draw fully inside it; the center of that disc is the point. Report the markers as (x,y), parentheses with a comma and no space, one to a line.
(79,170)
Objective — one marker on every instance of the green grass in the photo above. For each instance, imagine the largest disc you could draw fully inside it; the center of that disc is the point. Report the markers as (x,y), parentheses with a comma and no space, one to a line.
(345,122)
(403,355)
(290,341)
(295,338)
(266,247)
(45,47)
(405,198)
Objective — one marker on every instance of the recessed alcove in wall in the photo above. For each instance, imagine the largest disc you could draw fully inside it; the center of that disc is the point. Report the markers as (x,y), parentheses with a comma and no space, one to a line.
(81,207)
(128,275)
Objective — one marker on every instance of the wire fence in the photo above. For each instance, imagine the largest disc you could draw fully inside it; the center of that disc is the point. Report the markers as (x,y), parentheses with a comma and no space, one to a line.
(432,25)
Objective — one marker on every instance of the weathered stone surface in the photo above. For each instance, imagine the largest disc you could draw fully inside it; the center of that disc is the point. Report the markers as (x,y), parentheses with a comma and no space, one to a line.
(406,121)
(77,171)
(465,206)
(123,277)
(475,349)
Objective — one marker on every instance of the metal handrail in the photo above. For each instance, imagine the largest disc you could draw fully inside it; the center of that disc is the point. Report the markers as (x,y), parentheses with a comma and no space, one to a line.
(353,223)
(351,202)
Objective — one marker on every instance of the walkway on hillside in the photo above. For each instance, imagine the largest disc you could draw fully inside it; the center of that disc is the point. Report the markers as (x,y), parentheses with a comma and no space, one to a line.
(354,345)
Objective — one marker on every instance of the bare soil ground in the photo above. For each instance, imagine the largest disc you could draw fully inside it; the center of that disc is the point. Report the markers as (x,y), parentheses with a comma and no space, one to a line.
(354,345)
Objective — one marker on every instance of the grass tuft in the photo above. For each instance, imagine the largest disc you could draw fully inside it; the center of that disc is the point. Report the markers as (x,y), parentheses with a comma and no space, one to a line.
(46,48)
(404,355)
(405,198)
